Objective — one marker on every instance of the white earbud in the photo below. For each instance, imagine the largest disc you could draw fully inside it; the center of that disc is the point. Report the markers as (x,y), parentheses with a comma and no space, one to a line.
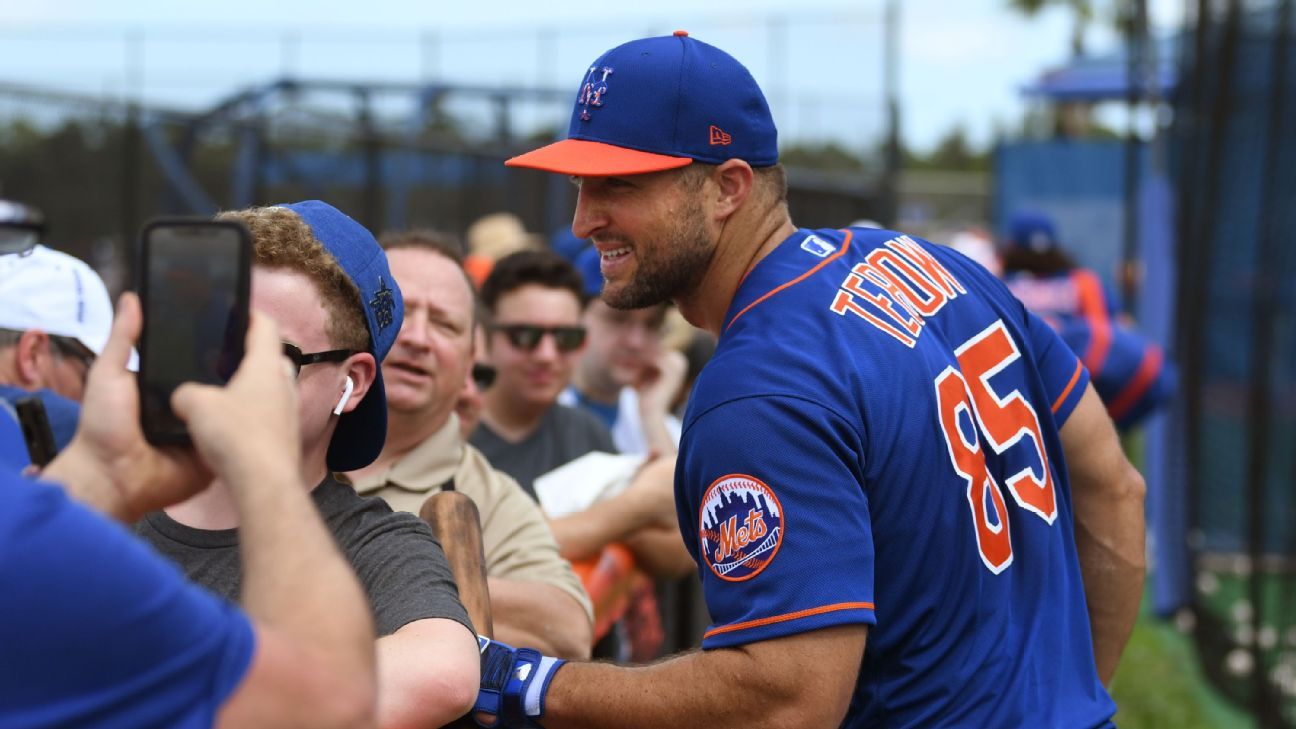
(346,395)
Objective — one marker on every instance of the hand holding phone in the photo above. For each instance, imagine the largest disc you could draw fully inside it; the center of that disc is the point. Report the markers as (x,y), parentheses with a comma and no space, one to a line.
(193,278)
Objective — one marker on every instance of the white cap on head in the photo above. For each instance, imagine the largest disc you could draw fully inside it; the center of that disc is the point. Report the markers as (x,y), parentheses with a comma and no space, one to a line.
(56,293)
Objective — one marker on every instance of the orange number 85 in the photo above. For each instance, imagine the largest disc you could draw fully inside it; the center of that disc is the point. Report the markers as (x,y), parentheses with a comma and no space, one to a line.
(1003,422)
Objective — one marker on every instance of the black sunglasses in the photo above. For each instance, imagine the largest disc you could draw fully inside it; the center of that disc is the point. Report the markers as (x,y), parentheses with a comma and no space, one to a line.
(528,336)
(300,360)
(483,375)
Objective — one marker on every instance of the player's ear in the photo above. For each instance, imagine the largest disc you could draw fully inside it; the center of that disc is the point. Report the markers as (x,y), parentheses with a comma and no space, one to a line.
(734,179)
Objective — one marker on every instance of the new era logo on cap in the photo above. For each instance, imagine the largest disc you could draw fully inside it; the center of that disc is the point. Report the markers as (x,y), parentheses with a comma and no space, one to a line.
(657,104)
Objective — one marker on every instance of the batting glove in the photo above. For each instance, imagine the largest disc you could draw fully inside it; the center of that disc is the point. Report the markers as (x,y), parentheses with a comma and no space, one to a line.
(514,682)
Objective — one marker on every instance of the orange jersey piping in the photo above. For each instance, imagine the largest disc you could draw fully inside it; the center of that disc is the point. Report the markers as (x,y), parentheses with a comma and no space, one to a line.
(840,252)
(789,616)
(1143,379)
(1075,377)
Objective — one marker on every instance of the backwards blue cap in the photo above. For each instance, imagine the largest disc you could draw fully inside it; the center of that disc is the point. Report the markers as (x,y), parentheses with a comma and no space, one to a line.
(657,104)
(360,433)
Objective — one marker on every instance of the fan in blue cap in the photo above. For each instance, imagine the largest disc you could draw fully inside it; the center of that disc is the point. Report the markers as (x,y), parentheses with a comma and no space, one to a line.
(360,433)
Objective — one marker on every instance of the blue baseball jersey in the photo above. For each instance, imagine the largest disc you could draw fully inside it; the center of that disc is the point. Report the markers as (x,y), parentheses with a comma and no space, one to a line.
(876,441)
(96,630)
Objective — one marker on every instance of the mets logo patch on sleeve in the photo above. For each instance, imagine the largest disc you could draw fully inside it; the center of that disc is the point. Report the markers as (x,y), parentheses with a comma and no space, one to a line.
(741,527)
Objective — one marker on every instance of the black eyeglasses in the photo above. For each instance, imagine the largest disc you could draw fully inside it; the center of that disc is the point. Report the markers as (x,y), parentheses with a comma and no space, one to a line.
(73,349)
(527,336)
(483,375)
(300,360)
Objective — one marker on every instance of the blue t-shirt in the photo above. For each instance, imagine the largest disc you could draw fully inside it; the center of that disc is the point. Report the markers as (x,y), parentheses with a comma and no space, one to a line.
(876,441)
(97,631)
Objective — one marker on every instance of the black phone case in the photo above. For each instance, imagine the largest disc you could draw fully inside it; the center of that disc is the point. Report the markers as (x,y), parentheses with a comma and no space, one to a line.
(173,432)
(36,430)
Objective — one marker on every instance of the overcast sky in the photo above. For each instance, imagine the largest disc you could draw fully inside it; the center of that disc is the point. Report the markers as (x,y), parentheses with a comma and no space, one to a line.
(960,61)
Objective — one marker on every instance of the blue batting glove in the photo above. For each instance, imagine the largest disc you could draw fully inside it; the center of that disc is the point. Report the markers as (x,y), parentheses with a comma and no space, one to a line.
(514,682)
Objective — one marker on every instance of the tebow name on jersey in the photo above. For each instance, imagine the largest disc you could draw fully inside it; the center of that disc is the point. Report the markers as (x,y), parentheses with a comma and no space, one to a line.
(896,288)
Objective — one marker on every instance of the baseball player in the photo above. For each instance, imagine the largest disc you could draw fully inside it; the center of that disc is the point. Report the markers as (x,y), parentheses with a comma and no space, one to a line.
(898,485)
(1129,372)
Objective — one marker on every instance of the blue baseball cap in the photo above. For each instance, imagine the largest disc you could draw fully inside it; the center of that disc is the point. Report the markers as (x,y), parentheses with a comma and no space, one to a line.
(360,433)
(1033,231)
(657,104)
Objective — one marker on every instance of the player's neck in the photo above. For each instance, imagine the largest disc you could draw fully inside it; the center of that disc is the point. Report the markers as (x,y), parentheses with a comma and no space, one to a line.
(743,242)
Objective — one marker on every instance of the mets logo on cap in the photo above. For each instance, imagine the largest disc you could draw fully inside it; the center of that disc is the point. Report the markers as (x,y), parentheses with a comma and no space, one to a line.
(593,90)
(741,527)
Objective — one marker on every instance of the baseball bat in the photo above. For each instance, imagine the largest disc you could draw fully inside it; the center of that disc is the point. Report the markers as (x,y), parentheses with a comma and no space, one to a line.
(455,521)
(457,524)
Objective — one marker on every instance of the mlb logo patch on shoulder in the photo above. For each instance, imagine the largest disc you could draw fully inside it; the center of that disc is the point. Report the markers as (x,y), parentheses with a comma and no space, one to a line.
(740,527)
(818,246)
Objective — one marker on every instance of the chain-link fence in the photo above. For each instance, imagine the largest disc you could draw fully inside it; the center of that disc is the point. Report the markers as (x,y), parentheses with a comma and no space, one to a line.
(1235,162)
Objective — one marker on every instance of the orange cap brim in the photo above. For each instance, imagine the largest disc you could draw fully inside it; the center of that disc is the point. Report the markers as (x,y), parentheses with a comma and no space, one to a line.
(583,158)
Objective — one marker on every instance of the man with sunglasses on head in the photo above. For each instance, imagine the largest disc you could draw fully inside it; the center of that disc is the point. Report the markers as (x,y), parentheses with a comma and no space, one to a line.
(324,280)
(534,595)
(55,316)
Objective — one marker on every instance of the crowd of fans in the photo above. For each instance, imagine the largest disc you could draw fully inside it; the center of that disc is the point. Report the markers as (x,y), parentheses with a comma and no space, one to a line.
(501,367)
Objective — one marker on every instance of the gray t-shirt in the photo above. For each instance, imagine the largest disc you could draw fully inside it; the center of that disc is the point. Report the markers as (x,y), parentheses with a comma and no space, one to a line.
(563,434)
(399,562)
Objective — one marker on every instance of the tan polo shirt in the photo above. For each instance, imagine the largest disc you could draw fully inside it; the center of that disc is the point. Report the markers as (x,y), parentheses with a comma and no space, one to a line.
(515,535)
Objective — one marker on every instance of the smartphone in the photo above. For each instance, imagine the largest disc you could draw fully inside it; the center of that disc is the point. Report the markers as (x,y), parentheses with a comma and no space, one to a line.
(36,430)
(193,278)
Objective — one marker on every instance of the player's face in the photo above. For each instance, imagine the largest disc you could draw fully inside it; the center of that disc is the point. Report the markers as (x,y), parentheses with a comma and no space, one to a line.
(622,343)
(427,366)
(651,233)
(533,376)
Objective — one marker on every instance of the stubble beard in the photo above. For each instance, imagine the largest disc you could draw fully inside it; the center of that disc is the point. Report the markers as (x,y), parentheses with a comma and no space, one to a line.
(679,265)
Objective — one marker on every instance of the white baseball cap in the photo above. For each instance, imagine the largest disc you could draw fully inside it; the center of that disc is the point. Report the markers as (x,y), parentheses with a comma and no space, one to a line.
(56,293)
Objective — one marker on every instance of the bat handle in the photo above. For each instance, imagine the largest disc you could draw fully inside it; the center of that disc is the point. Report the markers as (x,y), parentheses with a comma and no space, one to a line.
(455,521)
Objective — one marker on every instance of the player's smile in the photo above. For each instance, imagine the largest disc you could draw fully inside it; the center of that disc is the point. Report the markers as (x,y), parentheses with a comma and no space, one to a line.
(614,261)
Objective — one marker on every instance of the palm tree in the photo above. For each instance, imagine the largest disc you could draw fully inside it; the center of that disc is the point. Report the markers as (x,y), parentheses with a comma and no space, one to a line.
(1083,11)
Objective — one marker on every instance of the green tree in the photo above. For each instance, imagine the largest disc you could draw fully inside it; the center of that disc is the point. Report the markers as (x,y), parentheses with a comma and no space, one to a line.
(953,152)
(1081,10)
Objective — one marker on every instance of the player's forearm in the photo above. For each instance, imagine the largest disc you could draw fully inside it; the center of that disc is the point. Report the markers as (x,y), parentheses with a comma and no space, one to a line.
(428,672)
(540,616)
(295,580)
(1110,546)
(720,689)
(660,552)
